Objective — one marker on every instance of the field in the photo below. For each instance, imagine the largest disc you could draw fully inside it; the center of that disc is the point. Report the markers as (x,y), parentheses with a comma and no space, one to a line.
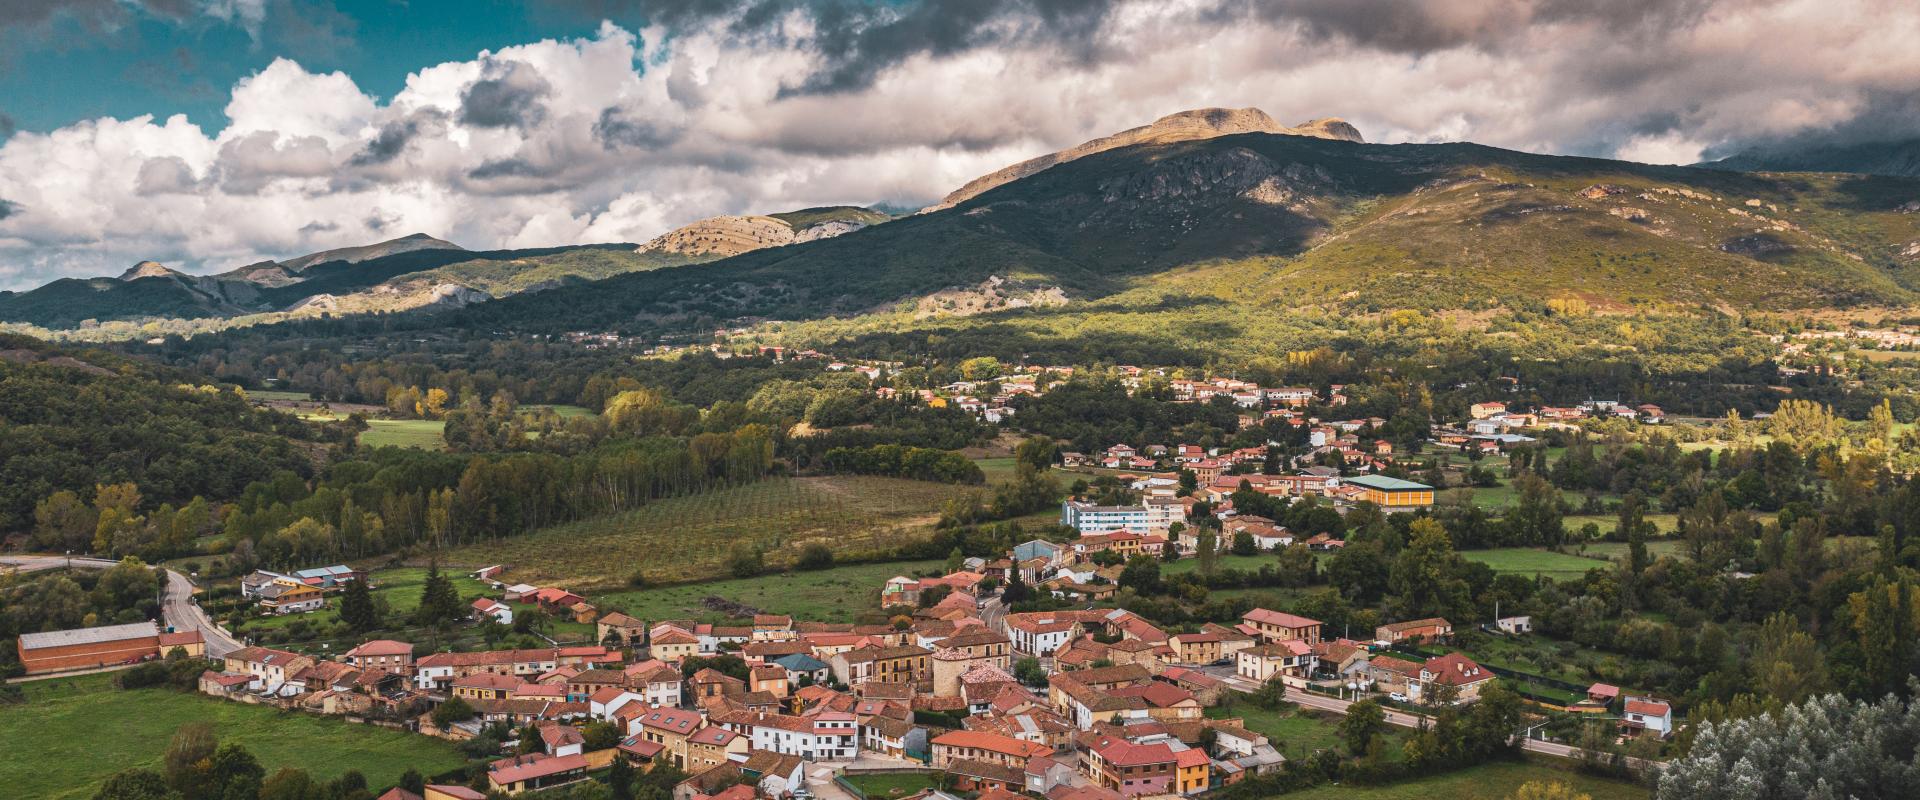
(829,595)
(685,539)
(400,588)
(424,434)
(999,469)
(74,732)
(562,411)
(892,784)
(1247,563)
(271,395)
(1533,561)
(1295,732)
(1495,781)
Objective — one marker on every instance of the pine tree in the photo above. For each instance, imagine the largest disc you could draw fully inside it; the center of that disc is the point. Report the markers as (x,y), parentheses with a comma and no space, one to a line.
(439,601)
(356,607)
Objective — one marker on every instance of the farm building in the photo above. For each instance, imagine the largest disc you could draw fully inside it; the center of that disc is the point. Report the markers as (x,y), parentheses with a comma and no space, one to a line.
(83,648)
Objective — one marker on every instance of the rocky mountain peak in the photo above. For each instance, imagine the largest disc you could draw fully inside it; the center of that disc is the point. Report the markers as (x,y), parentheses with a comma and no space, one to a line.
(147,269)
(1183,126)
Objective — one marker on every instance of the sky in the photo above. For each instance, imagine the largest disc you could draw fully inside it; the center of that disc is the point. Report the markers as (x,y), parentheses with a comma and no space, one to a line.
(209,134)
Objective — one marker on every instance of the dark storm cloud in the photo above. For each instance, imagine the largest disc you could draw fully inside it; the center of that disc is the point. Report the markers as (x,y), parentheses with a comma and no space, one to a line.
(859,40)
(617,128)
(512,97)
(394,137)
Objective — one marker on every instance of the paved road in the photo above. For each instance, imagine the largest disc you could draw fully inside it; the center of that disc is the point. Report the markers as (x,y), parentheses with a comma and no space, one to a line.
(176,604)
(1401,718)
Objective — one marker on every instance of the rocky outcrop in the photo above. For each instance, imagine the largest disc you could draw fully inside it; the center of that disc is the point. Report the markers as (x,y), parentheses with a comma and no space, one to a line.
(149,269)
(732,235)
(1204,123)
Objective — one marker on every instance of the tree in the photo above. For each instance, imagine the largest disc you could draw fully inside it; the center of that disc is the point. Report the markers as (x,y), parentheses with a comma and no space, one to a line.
(134,784)
(1028,671)
(61,522)
(1142,575)
(1883,617)
(290,784)
(188,762)
(1824,747)
(1634,527)
(414,782)
(1535,517)
(1206,550)
(439,600)
(1805,425)
(1036,452)
(1271,694)
(236,773)
(620,779)
(452,711)
(814,556)
(1548,790)
(356,607)
(745,561)
(1243,544)
(1365,720)
(1426,576)
(1787,664)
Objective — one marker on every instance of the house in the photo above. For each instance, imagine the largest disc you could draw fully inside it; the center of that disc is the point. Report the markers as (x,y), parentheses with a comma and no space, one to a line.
(628,630)
(1453,673)
(978,746)
(271,669)
(1514,625)
(257,581)
(714,745)
(440,792)
(1647,715)
(1131,768)
(991,779)
(1432,629)
(903,663)
(674,646)
(891,738)
(485,686)
(535,771)
(1292,658)
(191,643)
(385,654)
(1278,626)
(1393,494)
(668,727)
(329,577)
(1486,410)
(1040,633)
(485,607)
(561,740)
(295,598)
(1196,648)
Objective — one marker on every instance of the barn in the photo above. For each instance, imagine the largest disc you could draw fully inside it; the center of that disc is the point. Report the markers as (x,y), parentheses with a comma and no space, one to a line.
(83,648)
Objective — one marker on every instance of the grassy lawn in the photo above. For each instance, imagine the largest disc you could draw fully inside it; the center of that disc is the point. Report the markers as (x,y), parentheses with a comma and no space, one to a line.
(272,395)
(1551,658)
(401,588)
(1296,732)
(895,784)
(829,595)
(1495,781)
(74,732)
(563,411)
(999,470)
(1533,561)
(423,434)
(688,538)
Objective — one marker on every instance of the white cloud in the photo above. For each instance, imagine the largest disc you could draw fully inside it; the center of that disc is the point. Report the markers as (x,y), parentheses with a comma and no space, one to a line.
(621,135)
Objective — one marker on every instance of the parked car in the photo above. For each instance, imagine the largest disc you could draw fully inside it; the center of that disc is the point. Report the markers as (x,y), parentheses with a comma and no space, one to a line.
(1398,697)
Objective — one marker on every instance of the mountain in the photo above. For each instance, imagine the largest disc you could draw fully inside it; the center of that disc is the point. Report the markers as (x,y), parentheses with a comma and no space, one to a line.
(1279,221)
(355,255)
(1202,123)
(413,272)
(719,237)
(1899,159)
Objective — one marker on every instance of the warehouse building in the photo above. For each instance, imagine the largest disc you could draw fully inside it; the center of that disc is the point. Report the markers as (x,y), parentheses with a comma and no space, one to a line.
(85,648)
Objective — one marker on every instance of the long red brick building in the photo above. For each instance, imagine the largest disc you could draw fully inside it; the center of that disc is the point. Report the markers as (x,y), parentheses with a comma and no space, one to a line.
(85,648)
